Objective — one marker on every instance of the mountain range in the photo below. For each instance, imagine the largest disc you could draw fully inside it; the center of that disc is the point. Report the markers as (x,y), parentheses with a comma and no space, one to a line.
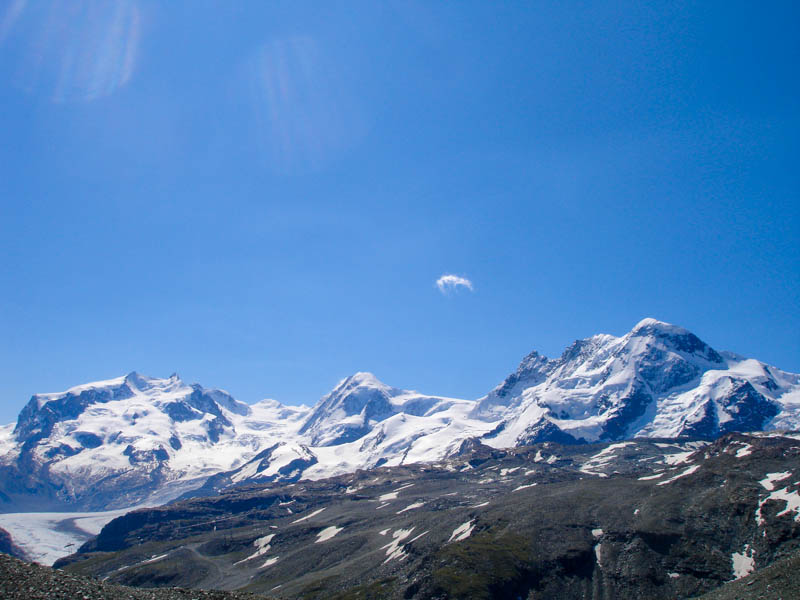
(138,440)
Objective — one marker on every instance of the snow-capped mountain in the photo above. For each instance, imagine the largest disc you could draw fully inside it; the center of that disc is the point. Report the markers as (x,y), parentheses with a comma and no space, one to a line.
(131,439)
(137,439)
(359,403)
(658,380)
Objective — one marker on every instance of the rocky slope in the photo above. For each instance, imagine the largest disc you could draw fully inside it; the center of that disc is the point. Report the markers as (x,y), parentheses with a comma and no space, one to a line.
(138,440)
(25,581)
(779,580)
(643,518)
(7,545)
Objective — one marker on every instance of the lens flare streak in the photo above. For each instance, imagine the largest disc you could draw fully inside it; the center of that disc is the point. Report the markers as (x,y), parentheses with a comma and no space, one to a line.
(71,51)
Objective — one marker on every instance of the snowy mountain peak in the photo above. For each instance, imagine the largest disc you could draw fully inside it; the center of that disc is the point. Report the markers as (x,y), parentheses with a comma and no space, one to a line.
(655,324)
(345,413)
(362,379)
(657,380)
(673,338)
(359,403)
(145,383)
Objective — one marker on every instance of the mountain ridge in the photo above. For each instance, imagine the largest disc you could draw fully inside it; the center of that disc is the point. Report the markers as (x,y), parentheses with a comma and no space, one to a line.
(158,439)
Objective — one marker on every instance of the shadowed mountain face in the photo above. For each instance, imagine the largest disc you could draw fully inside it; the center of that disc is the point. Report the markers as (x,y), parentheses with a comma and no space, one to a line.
(137,439)
(640,519)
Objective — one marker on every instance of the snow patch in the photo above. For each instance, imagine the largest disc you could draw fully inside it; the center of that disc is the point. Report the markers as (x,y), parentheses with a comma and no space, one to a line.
(327,533)
(154,559)
(462,532)
(313,514)
(688,471)
(411,507)
(678,458)
(269,562)
(744,563)
(263,545)
(504,472)
(768,483)
(393,549)
(598,552)
(792,500)
(523,487)
(393,495)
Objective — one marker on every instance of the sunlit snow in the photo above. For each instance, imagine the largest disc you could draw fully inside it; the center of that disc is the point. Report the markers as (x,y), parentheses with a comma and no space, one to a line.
(393,549)
(462,532)
(768,483)
(313,514)
(327,533)
(411,507)
(269,562)
(684,473)
(743,563)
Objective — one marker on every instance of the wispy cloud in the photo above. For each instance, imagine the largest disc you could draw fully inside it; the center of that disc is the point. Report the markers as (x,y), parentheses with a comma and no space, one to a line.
(448,283)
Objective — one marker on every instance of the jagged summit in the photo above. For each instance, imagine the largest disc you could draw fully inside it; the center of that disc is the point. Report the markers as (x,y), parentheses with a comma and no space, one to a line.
(145,382)
(658,379)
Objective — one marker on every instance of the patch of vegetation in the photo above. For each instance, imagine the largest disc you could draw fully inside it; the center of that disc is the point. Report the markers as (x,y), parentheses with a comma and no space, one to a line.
(318,589)
(483,566)
(377,590)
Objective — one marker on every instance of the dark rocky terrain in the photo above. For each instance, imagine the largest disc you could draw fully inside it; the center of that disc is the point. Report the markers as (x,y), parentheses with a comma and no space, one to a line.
(7,545)
(641,519)
(25,581)
(780,581)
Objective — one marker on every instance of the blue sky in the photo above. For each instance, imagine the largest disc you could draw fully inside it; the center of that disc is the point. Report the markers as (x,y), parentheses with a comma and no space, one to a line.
(261,196)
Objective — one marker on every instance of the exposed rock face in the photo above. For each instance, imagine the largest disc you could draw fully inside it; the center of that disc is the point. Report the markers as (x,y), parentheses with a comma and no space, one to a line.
(7,545)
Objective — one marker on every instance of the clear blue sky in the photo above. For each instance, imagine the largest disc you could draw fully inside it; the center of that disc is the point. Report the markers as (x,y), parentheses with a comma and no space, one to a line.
(262,195)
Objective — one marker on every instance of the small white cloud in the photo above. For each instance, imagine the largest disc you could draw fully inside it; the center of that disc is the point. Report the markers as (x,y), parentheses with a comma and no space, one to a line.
(449,283)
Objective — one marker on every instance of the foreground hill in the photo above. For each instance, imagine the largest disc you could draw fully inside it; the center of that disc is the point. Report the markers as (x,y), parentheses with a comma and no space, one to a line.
(25,581)
(644,518)
(139,440)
